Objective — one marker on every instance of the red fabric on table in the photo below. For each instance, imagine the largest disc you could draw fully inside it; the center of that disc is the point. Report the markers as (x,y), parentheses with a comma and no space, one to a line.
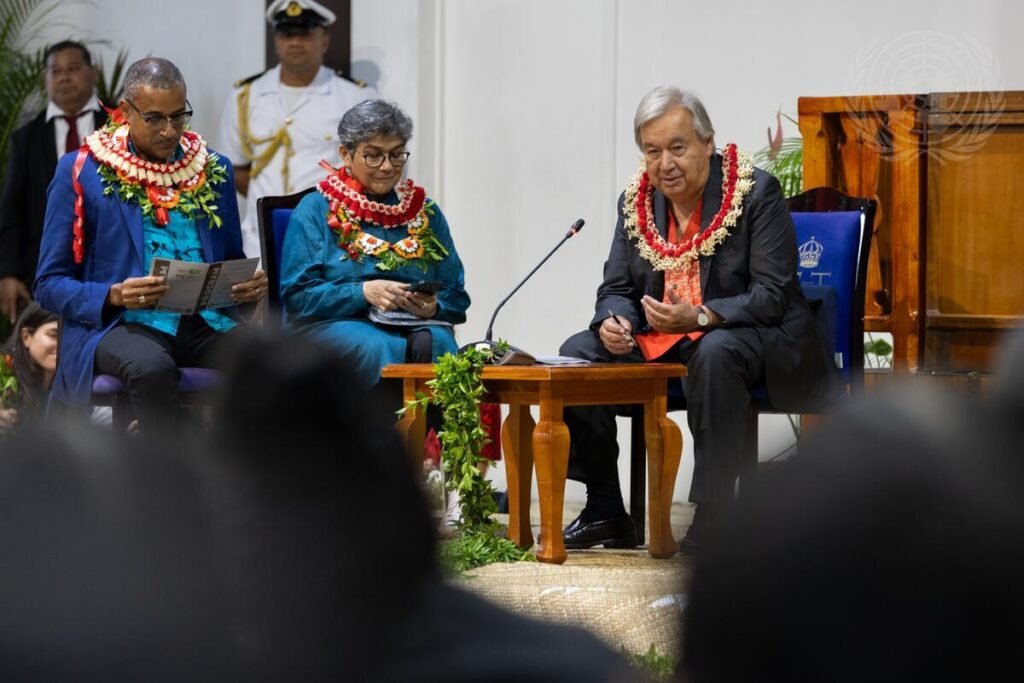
(490,416)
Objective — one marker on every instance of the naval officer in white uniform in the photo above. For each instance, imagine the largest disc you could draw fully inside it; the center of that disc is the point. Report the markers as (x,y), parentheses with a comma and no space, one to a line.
(278,125)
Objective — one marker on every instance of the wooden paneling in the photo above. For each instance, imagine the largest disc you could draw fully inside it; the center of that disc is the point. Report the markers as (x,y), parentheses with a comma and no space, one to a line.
(975,227)
(946,275)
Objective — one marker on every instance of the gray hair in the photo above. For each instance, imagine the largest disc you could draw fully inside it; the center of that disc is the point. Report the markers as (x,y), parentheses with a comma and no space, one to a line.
(371,118)
(152,72)
(656,104)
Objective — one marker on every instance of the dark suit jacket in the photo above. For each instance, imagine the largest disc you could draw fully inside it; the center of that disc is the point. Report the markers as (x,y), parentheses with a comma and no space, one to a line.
(114,251)
(32,159)
(750,281)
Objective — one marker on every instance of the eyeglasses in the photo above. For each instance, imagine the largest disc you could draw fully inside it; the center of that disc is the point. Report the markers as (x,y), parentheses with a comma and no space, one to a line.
(158,121)
(376,159)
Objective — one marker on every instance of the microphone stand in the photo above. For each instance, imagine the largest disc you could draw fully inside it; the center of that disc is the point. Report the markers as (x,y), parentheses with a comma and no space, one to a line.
(516,356)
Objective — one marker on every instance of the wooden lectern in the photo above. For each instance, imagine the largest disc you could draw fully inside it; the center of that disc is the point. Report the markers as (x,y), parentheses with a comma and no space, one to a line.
(946,276)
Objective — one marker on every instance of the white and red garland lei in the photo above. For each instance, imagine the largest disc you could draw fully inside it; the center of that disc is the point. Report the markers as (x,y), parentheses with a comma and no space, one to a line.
(349,207)
(184,185)
(158,186)
(737,181)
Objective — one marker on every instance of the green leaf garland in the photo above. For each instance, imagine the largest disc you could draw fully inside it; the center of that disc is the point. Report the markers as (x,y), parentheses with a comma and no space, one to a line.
(458,391)
(191,203)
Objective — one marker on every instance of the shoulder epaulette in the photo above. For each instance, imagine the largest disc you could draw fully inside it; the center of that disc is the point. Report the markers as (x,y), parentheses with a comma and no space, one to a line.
(341,74)
(245,81)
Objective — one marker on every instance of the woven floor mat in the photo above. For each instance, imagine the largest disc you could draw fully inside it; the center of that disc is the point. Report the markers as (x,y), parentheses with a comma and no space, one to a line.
(625,597)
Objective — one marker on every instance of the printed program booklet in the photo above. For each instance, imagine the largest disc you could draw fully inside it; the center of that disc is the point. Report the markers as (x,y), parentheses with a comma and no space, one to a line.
(194,286)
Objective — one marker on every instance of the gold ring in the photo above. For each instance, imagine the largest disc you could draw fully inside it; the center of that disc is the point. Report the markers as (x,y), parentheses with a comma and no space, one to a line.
(142,299)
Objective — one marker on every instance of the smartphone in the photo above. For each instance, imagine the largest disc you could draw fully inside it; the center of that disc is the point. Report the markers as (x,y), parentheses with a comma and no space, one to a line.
(426,287)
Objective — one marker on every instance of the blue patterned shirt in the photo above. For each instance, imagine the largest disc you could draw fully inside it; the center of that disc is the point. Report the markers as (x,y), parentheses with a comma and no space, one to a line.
(179,240)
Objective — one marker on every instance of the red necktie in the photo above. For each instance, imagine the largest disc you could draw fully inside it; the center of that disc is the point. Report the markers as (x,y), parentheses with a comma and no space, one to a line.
(71,142)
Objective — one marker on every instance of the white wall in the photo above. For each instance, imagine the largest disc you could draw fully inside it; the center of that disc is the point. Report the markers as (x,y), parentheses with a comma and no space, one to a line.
(213,43)
(524,108)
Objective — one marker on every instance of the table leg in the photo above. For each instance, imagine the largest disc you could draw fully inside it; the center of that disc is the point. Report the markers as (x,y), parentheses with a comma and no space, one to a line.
(664,451)
(551,454)
(516,436)
(412,427)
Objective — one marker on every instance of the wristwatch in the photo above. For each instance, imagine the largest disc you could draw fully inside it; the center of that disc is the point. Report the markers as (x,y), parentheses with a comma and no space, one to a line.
(703,319)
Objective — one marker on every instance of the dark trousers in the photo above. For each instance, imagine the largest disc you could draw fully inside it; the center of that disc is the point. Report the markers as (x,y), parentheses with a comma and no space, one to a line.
(147,361)
(388,392)
(722,366)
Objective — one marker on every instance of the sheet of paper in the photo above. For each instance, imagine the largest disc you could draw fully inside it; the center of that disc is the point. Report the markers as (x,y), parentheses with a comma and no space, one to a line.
(185,280)
(195,286)
(561,360)
(231,273)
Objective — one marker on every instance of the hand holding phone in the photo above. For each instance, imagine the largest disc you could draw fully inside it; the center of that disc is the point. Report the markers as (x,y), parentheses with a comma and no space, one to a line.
(426,287)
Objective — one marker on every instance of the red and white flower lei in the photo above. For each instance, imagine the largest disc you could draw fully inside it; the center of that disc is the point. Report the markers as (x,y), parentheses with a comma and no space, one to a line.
(185,185)
(158,187)
(110,147)
(349,207)
(343,191)
(737,181)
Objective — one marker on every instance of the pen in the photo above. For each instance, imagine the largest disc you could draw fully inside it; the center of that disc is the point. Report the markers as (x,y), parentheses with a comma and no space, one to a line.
(619,323)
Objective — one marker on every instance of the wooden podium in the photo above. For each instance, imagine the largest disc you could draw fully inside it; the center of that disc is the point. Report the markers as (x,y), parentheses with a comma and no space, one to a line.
(946,276)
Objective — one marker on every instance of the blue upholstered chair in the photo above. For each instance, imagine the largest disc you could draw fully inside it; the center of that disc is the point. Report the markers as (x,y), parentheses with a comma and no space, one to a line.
(833,237)
(193,388)
(272,216)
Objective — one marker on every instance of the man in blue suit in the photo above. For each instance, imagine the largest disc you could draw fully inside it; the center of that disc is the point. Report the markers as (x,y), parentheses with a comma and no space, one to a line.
(140,188)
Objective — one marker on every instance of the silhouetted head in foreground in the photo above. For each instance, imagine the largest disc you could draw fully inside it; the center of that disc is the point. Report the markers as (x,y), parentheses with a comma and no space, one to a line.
(325,532)
(891,547)
(286,545)
(332,548)
(107,570)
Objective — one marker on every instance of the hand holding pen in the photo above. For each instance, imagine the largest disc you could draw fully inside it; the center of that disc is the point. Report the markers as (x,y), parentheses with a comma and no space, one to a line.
(616,334)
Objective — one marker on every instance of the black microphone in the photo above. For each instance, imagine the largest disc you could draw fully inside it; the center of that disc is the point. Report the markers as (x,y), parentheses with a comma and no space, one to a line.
(516,356)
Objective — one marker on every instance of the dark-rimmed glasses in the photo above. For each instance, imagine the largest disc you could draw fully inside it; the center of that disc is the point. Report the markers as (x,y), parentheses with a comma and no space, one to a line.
(158,121)
(376,159)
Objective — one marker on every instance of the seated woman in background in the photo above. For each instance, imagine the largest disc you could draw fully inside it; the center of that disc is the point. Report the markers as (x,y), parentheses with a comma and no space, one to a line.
(30,361)
(360,241)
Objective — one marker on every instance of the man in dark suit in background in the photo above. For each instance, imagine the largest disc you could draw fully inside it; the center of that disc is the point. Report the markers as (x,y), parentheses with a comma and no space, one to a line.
(35,148)
(703,271)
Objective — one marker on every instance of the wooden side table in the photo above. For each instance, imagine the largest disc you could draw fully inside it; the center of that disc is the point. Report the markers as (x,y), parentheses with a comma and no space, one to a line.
(546,443)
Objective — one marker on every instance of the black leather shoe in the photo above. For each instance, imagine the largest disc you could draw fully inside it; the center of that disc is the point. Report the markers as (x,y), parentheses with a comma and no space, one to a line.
(618,532)
(690,542)
(704,516)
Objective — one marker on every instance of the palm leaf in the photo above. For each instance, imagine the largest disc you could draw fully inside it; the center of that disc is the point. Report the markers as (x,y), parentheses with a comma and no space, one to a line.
(21,83)
(786,165)
(108,89)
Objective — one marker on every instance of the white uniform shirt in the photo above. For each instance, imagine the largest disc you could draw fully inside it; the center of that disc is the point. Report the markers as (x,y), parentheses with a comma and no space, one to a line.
(312,123)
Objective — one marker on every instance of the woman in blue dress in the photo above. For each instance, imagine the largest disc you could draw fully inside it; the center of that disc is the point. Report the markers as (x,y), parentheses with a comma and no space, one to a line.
(359,243)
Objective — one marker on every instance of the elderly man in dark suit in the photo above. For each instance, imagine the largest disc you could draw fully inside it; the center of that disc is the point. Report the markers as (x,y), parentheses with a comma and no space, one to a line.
(72,113)
(702,270)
